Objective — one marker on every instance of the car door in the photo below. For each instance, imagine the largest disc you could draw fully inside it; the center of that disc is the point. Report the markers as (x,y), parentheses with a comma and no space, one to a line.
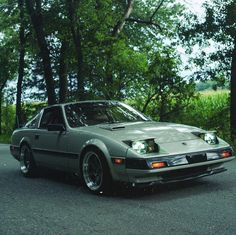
(50,147)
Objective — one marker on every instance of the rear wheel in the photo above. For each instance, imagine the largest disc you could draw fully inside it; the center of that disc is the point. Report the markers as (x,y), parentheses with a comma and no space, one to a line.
(27,164)
(95,171)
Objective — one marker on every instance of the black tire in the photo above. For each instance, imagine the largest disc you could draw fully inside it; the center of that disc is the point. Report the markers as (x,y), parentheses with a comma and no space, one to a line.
(27,163)
(95,172)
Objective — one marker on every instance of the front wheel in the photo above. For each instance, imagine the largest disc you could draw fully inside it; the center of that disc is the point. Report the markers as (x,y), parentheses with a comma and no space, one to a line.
(95,172)
(27,164)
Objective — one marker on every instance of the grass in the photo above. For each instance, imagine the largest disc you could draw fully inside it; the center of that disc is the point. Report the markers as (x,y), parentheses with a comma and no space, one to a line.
(210,111)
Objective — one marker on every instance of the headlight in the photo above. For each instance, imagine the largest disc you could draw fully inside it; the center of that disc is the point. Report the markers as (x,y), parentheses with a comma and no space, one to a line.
(210,138)
(143,146)
(140,146)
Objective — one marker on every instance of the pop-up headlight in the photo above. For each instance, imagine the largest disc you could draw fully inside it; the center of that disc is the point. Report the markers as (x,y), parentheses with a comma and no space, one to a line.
(209,137)
(143,146)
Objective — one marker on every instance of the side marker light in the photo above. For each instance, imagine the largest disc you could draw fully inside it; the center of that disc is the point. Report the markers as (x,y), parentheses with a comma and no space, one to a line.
(226,154)
(158,164)
(118,161)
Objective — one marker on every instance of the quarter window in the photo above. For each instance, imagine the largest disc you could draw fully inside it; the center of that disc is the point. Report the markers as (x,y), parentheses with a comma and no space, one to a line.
(33,124)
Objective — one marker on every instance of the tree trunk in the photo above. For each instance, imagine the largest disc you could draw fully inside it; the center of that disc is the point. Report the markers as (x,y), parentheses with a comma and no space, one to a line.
(80,68)
(147,102)
(34,9)
(76,34)
(233,93)
(21,65)
(62,74)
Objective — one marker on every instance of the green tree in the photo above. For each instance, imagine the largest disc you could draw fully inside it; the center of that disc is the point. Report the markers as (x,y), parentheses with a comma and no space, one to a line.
(218,27)
(163,94)
(34,8)
(99,49)
(7,71)
(21,63)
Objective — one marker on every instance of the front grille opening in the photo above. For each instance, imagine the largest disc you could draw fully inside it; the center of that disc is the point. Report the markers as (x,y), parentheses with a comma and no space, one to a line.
(184,173)
(196,158)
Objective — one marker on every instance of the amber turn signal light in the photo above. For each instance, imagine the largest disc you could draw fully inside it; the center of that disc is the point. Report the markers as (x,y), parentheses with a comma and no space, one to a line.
(226,154)
(158,164)
(118,161)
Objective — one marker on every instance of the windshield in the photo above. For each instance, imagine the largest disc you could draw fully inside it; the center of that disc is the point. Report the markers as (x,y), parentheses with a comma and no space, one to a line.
(86,114)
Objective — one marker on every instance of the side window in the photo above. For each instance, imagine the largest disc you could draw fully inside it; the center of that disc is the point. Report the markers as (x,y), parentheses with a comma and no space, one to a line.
(51,116)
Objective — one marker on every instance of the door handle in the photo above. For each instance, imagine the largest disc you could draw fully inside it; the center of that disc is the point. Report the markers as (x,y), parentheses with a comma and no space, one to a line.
(36,137)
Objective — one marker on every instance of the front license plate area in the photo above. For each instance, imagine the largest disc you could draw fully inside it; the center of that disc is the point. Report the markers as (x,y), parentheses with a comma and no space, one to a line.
(196,158)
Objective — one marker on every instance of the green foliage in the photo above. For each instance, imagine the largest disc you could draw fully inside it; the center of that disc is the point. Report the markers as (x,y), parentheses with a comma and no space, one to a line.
(5,139)
(217,32)
(210,85)
(29,110)
(8,119)
(162,93)
(210,111)
(138,63)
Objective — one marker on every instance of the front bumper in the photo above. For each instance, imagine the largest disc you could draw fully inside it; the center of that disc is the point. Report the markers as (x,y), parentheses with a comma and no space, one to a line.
(176,173)
(137,171)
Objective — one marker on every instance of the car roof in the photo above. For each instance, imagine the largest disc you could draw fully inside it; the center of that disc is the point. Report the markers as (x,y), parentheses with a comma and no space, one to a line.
(83,102)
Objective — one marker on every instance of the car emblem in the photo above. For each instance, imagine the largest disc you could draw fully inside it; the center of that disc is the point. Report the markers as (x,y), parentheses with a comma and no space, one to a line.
(184,143)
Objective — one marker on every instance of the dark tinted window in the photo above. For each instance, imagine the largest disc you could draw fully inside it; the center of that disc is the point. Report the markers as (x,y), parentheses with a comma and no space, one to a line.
(83,114)
(51,116)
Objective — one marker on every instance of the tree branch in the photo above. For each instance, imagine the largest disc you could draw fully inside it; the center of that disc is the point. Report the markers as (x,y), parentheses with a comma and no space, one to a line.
(157,9)
(120,25)
(147,102)
(147,22)
(150,21)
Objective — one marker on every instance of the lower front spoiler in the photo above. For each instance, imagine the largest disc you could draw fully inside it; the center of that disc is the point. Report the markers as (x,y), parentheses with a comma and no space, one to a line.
(180,179)
(165,175)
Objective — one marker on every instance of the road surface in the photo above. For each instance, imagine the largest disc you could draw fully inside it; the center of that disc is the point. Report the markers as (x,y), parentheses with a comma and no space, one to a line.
(55,203)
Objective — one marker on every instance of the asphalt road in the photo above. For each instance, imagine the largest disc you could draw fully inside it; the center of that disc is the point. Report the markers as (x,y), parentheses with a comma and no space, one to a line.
(57,204)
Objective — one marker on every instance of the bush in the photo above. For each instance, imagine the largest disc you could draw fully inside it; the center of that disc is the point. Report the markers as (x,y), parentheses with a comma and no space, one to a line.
(6,139)
(210,111)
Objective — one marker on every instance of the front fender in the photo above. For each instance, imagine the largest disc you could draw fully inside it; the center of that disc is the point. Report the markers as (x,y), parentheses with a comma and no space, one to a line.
(96,143)
(25,140)
(116,171)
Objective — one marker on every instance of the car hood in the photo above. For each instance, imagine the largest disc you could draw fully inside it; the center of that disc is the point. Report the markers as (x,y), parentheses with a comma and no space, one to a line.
(162,132)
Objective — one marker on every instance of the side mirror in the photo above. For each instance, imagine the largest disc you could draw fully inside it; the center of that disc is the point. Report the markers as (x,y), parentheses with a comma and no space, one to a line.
(56,127)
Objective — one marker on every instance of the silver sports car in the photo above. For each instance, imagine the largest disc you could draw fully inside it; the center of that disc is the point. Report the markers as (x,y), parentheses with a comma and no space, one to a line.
(108,141)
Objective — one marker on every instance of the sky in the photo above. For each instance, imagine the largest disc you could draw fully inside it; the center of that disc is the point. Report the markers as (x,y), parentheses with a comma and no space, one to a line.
(194,5)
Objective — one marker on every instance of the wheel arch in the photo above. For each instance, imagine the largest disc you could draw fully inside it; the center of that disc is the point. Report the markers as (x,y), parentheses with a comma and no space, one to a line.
(98,144)
(25,141)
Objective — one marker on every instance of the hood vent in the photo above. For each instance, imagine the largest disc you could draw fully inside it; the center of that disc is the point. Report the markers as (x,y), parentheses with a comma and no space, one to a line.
(112,128)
